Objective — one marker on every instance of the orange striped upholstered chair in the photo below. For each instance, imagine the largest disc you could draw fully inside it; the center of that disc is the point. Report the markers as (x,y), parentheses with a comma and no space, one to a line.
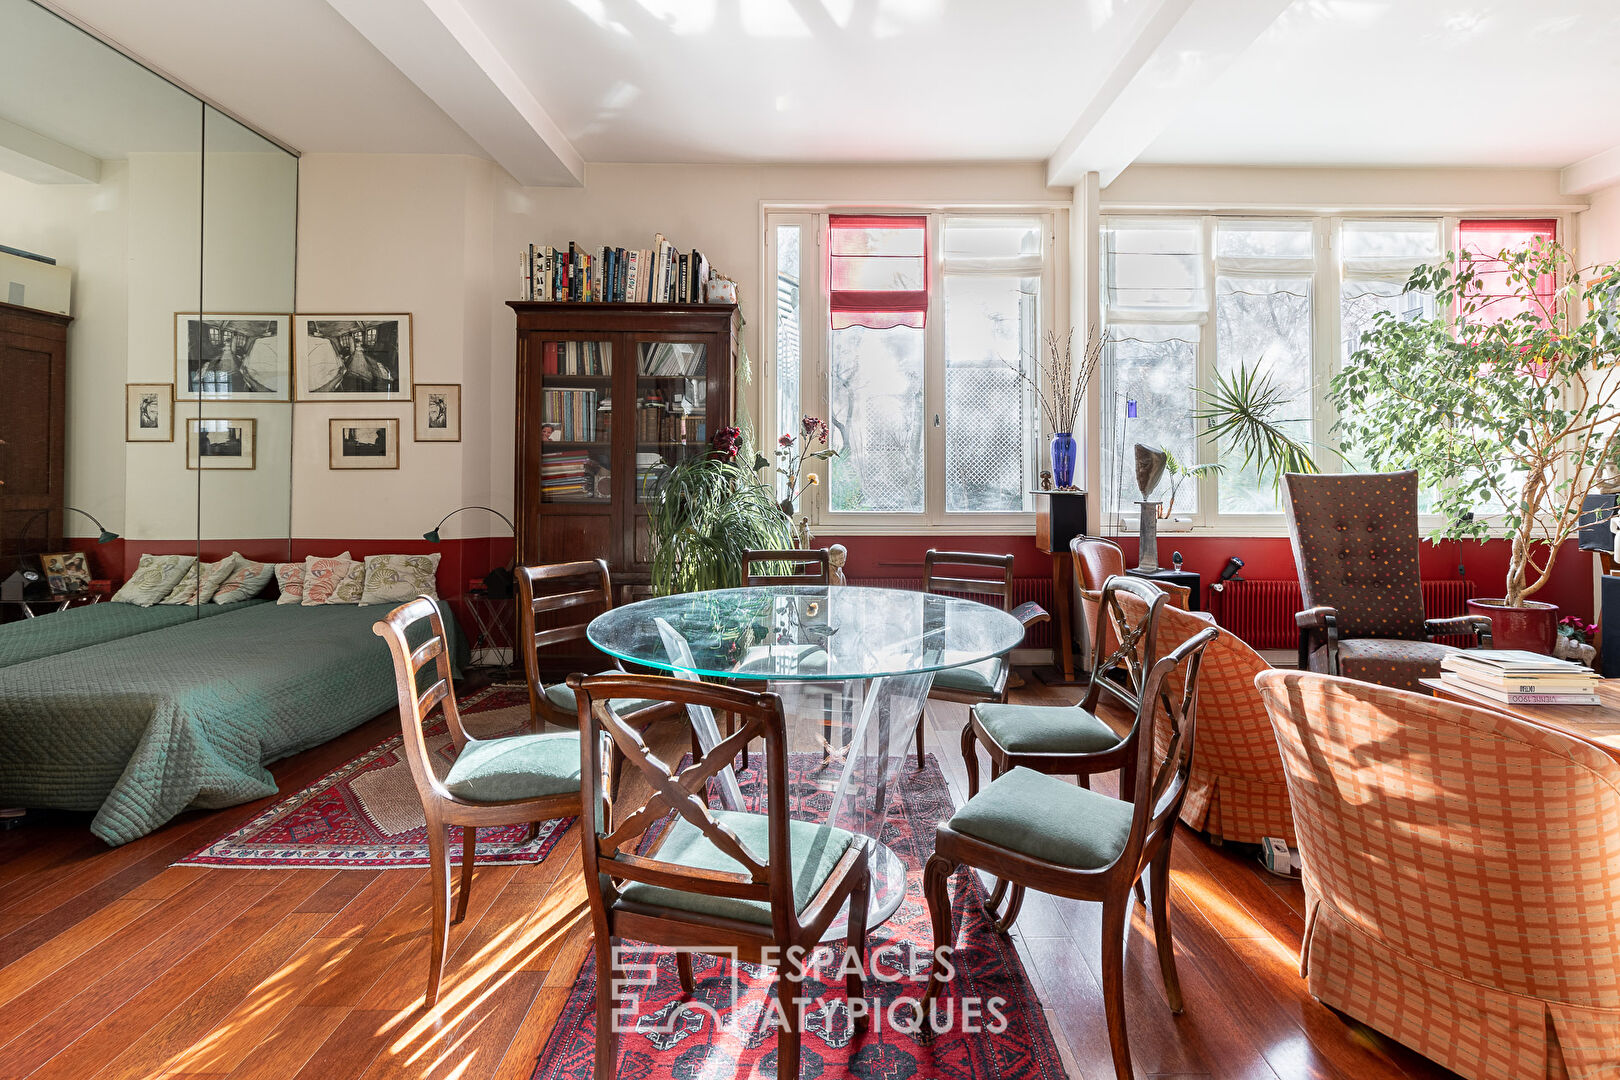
(1237,790)
(1462,876)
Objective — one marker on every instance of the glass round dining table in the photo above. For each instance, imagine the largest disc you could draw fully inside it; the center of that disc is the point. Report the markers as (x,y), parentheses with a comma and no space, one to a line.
(853,666)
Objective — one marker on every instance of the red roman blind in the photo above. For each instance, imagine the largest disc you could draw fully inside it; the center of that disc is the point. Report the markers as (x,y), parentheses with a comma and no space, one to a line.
(877,270)
(1482,242)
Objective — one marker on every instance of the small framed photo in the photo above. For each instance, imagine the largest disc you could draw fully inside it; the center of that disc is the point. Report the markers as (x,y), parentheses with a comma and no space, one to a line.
(365,444)
(438,412)
(149,412)
(66,572)
(238,357)
(353,357)
(220,444)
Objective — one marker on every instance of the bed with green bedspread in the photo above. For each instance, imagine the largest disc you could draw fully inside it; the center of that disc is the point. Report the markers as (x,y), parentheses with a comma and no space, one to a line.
(92,624)
(142,728)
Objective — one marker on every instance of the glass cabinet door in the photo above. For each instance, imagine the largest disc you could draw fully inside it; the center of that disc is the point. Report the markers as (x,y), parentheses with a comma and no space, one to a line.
(671,406)
(576,421)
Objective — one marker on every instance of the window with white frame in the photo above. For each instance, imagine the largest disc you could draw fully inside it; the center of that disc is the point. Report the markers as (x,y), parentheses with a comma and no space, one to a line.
(1189,299)
(907,332)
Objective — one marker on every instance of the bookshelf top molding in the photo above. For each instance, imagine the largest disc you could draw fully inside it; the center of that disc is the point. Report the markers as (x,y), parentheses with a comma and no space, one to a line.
(608,317)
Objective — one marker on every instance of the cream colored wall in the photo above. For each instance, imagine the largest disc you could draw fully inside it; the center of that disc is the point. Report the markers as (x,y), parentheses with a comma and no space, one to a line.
(1600,227)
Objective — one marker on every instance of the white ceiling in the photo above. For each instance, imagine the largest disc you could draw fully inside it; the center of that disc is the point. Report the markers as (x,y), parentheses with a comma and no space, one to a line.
(1297,82)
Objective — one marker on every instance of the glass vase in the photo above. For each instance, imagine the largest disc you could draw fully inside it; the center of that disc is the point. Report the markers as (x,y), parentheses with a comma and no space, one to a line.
(1063,452)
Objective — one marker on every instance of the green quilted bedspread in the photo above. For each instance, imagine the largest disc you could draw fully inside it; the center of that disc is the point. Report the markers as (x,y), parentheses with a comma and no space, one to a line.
(142,728)
(92,624)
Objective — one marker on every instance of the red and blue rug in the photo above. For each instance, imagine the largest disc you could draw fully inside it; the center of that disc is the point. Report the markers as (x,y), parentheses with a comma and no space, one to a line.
(366,813)
(1004,1036)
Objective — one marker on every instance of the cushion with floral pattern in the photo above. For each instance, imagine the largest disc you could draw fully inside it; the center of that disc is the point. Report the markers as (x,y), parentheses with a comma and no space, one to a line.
(210,575)
(246,581)
(290,580)
(394,579)
(333,581)
(154,578)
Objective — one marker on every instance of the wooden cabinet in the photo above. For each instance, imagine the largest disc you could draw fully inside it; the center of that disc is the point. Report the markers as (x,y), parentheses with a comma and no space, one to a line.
(33,430)
(604,393)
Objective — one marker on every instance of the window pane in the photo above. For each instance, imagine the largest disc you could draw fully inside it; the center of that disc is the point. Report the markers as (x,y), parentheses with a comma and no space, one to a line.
(1263,239)
(1264,323)
(1360,301)
(1149,371)
(992,238)
(990,322)
(788,323)
(1388,239)
(875,386)
(1155,264)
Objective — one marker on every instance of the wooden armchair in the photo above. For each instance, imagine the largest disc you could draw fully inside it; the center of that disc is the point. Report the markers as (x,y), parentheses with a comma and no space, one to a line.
(1095,561)
(808,566)
(507,781)
(976,575)
(716,879)
(1039,832)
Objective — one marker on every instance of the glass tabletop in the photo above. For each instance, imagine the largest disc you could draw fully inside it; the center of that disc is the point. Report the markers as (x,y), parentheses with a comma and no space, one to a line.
(809,633)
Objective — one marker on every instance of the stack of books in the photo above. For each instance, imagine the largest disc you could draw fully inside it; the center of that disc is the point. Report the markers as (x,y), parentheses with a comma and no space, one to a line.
(1516,677)
(661,274)
(566,476)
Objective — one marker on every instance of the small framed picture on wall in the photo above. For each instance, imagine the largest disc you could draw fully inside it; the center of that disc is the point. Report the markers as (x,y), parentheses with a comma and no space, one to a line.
(438,412)
(364,444)
(353,357)
(220,444)
(149,412)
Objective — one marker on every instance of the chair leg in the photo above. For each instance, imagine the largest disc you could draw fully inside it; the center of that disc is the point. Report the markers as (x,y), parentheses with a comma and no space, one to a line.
(1003,925)
(439,886)
(998,893)
(469,847)
(855,940)
(1113,971)
(970,757)
(607,1040)
(922,752)
(789,989)
(937,891)
(683,968)
(1159,876)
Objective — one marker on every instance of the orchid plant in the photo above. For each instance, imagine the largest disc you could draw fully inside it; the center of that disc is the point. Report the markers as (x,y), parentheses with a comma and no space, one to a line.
(793,450)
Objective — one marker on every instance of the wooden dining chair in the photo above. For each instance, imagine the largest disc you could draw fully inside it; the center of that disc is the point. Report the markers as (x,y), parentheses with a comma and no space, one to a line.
(748,884)
(1040,832)
(805,566)
(975,575)
(506,781)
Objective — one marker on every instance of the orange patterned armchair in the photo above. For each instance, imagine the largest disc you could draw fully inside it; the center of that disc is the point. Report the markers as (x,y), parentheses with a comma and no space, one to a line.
(1462,876)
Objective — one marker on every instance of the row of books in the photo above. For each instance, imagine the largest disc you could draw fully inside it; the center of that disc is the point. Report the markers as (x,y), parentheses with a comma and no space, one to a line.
(672,358)
(662,274)
(567,476)
(1516,677)
(577,358)
(571,415)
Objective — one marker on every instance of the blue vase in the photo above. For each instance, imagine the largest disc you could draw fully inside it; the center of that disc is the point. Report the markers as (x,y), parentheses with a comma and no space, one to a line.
(1063,459)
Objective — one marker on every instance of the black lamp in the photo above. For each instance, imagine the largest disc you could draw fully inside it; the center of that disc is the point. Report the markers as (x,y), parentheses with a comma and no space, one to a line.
(497,582)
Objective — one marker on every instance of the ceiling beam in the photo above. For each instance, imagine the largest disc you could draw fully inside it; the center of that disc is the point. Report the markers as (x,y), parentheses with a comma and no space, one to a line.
(1177,48)
(1587,175)
(32,156)
(440,47)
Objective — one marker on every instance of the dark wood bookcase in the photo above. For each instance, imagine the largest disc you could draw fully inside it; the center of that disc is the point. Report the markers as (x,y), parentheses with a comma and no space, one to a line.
(604,393)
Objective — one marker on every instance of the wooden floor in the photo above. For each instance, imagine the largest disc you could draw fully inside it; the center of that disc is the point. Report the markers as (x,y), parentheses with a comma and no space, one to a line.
(115,964)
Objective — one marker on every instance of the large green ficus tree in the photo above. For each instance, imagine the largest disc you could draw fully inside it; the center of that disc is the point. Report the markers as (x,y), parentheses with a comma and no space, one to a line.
(1507,401)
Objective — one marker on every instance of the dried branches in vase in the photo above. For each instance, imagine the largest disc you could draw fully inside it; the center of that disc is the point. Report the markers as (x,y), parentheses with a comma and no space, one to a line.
(1060,389)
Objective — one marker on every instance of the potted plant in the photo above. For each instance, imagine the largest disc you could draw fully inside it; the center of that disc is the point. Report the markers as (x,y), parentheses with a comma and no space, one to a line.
(792,450)
(1059,392)
(704,512)
(1507,402)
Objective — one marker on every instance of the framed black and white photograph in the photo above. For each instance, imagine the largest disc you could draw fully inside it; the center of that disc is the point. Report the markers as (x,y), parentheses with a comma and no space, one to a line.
(220,444)
(365,444)
(149,412)
(222,357)
(353,357)
(438,412)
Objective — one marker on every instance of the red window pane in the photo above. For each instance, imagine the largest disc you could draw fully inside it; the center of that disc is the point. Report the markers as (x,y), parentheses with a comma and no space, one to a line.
(877,270)
(1482,243)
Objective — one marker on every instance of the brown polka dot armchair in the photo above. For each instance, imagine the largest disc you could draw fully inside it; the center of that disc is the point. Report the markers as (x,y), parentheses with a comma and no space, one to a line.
(1355,538)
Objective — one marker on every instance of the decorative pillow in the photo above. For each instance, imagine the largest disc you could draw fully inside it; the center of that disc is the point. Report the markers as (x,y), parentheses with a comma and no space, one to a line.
(290,580)
(333,581)
(394,579)
(153,579)
(210,573)
(246,581)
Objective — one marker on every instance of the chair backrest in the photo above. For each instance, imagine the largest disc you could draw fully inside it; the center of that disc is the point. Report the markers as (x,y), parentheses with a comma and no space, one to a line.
(580,589)
(1424,823)
(1095,561)
(609,840)
(420,619)
(1124,638)
(809,566)
(971,572)
(1355,539)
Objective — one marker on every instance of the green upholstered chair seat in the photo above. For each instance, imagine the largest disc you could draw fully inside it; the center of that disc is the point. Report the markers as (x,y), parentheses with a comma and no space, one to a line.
(516,767)
(979,678)
(1046,818)
(563,698)
(1045,729)
(816,850)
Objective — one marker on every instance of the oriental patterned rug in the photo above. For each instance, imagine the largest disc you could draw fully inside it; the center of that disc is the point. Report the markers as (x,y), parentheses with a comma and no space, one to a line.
(989,1018)
(366,813)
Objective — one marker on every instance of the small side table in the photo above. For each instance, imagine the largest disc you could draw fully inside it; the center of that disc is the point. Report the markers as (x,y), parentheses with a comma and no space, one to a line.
(1188,578)
(52,602)
(494,618)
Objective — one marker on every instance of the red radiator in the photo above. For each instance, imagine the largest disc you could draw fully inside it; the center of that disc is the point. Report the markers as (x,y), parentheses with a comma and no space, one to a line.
(1262,612)
(1024,590)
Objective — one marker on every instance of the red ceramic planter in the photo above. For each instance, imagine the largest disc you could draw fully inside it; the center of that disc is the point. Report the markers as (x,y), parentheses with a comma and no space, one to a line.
(1533,627)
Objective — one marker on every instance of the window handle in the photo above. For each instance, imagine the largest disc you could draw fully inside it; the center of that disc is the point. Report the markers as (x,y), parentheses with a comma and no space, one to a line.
(936,419)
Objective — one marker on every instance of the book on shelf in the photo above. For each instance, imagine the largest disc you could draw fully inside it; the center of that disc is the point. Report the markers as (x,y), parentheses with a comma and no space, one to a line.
(662,274)
(568,416)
